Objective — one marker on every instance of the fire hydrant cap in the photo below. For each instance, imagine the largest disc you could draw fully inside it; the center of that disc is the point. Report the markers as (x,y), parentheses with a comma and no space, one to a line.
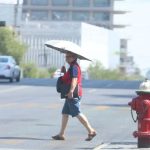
(144,87)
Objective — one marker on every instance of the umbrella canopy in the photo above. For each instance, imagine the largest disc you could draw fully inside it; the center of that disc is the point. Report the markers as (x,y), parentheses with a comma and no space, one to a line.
(67,46)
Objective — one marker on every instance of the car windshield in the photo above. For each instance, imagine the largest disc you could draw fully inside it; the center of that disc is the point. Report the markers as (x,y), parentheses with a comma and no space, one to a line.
(3,60)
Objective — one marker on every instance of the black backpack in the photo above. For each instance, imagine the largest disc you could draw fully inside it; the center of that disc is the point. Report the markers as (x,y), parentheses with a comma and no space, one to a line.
(63,89)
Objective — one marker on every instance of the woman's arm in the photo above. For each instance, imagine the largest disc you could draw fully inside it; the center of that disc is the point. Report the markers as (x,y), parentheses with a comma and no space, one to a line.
(72,88)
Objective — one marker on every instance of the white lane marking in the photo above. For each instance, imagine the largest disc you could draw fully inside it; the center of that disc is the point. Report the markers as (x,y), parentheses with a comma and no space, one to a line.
(92,90)
(13,89)
(101,146)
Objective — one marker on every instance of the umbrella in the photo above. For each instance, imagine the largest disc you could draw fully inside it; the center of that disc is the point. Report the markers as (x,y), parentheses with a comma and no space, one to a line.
(67,46)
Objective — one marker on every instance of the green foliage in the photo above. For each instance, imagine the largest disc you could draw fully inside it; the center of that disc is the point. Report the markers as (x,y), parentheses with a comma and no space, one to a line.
(51,71)
(97,71)
(43,73)
(10,44)
(30,70)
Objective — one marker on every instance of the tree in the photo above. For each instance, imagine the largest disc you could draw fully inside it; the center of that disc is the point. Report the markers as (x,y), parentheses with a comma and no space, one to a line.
(97,71)
(10,44)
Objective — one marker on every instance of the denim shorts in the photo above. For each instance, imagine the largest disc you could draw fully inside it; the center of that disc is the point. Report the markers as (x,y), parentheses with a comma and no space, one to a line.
(72,107)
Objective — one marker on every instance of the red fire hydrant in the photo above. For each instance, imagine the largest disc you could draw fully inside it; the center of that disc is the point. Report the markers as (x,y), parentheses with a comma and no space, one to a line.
(141,104)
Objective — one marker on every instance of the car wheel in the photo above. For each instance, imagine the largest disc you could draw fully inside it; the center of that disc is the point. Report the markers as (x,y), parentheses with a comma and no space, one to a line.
(11,79)
(18,78)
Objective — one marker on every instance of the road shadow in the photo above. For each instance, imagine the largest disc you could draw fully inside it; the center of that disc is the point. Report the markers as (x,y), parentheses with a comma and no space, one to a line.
(107,104)
(24,138)
(105,84)
(31,82)
(120,96)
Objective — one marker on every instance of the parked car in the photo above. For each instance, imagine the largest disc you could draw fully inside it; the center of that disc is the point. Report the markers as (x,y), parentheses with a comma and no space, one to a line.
(9,69)
(57,73)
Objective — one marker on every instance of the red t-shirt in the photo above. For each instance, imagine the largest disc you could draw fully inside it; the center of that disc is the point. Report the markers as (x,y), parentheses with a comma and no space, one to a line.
(74,71)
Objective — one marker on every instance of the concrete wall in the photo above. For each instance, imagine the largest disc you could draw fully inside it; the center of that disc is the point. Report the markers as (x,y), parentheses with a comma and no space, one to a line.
(100,44)
(35,34)
(8,12)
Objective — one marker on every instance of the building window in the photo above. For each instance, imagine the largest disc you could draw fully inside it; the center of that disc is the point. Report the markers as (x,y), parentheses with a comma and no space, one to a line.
(80,16)
(101,16)
(123,43)
(60,2)
(60,15)
(39,15)
(81,3)
(101,3)
(24,14)
(25,2)
(39,2)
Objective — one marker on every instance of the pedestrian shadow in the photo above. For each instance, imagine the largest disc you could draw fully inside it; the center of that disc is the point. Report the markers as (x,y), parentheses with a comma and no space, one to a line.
(24,138)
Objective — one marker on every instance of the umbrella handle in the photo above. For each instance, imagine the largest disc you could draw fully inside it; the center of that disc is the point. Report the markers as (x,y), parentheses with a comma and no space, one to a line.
(63,69)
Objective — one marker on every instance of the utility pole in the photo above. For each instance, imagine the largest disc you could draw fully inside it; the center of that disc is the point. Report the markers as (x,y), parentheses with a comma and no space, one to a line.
(45,57)
(16,14)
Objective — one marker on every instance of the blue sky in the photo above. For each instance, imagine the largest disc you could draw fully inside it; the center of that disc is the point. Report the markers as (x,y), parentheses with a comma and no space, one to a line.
(138,31)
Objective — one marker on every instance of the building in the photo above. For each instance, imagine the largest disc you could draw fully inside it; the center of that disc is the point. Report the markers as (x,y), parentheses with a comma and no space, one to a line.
(99,43)
(127,64)
(11,12)
(82,22)
(97,12)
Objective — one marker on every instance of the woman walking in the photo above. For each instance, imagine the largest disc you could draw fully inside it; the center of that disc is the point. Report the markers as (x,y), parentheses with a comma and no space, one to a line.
(72,104)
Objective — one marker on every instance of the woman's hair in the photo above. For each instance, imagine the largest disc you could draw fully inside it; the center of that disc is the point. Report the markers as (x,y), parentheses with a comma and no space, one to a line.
(73,55)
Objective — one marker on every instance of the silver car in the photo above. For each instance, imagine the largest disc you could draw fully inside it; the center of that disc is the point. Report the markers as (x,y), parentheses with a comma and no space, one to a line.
(9,69)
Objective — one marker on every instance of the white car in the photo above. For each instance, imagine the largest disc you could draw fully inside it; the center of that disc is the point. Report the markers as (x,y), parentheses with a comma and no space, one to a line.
(9,69)
(57,73)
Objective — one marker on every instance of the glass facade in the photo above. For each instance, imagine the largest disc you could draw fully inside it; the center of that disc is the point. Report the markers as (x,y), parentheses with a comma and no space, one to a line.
(60,15)
(62,10)
(39,15)
(80,16)
(101,16)
(39,2)
(24,14)
(81,3)
(60,2)
(101,3)
(25,2)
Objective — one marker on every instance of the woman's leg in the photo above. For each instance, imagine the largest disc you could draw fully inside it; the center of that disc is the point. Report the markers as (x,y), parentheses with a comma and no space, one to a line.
(64,122)
(82,118)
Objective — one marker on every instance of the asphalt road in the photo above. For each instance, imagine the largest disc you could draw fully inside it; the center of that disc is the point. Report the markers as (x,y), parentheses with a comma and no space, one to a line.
(30,113)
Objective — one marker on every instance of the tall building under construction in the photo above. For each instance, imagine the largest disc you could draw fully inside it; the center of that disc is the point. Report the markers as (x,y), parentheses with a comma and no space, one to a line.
(97,12)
